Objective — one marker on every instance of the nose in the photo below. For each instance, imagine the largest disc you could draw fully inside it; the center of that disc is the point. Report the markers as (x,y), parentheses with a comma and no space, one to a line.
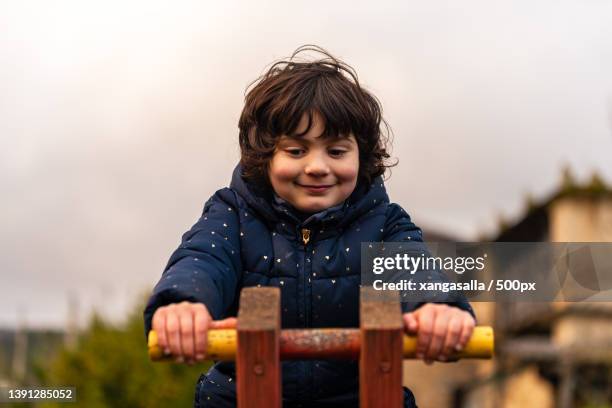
(316,165)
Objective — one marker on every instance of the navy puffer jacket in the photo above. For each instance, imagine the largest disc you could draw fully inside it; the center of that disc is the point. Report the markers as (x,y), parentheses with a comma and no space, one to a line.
(247,237)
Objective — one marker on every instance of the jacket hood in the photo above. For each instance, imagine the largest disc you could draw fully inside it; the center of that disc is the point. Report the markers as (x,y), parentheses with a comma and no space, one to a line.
(273,208)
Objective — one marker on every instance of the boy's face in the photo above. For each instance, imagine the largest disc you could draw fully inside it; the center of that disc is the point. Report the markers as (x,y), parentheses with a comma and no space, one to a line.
(312,173)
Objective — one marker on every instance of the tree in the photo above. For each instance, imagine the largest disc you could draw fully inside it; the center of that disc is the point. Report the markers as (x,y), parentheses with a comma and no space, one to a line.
(110,368)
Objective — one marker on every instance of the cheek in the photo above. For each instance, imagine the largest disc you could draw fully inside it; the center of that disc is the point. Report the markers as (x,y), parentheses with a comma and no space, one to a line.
(348,172)
(281,170)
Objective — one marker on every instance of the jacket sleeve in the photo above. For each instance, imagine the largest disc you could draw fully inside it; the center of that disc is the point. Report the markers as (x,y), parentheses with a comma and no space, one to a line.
(399,228)
(206,266)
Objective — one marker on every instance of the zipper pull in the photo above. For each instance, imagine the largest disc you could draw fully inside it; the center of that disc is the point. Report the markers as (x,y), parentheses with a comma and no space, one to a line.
(305,235)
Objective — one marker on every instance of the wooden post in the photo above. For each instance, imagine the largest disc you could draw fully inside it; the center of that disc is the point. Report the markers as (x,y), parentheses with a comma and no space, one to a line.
(258,356)
(565,393)
(380,360)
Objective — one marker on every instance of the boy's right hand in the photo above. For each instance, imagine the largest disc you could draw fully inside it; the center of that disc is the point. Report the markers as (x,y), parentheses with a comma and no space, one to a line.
(182,330)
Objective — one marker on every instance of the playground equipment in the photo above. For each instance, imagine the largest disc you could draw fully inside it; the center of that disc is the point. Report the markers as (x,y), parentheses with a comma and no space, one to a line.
(258,344)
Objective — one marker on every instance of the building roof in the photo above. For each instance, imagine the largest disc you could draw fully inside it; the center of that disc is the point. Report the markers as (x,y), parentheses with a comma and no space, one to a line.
(533,225)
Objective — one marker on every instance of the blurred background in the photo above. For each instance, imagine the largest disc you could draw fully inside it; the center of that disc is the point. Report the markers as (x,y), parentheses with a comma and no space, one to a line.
(119,119)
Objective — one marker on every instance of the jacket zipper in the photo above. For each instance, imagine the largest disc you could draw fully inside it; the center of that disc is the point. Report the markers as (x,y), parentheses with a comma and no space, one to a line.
(305,240)
(305,236)
(307,292)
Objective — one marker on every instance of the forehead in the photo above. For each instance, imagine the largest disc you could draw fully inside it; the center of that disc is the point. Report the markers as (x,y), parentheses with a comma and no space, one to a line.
(313,127)
(321,139)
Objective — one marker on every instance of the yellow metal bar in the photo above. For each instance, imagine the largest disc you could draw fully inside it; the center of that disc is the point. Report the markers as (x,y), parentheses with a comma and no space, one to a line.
(480,345)
(222,344)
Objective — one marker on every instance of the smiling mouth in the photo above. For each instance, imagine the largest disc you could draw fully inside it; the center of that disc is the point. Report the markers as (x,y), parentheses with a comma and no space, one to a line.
(315,188)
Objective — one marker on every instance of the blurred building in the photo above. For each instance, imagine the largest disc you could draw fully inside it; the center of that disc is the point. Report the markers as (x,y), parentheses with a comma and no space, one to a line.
(548,354)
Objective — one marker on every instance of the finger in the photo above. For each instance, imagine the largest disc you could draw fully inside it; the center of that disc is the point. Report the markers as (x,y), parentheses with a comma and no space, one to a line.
(187,336)
(425,323)
(173,333)
(466,332)
(201,321)
(410,322)
(440,327)
(229,323)
(455,325)
(159,325)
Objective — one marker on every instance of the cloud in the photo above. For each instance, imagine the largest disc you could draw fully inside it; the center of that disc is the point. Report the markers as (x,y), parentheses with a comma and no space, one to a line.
(117,121)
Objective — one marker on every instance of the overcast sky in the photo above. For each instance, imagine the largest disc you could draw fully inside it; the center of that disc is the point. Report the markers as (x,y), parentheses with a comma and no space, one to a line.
(119,119)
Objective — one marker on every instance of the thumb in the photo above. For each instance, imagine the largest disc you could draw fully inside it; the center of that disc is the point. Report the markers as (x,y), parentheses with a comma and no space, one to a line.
(411,323)
(229,323)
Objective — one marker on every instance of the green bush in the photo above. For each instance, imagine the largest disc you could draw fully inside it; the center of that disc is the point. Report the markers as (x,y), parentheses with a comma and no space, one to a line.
(110,368)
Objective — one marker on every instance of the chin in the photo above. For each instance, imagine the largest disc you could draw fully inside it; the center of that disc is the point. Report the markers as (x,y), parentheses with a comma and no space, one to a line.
(314,207)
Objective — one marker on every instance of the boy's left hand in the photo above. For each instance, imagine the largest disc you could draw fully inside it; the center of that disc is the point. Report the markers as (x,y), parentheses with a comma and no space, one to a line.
(441,330)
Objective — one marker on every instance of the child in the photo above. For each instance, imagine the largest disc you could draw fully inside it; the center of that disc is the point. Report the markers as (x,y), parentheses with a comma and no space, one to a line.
(308,190)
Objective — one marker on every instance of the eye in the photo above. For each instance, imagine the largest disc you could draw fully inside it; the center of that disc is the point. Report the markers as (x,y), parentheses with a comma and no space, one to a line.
(335,152)
(294,151)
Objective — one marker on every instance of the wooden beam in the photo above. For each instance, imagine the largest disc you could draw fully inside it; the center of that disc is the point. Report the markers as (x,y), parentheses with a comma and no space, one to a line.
(380,360)
(258,369)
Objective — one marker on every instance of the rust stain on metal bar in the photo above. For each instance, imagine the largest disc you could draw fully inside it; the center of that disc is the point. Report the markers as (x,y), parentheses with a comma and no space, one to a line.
(319,344)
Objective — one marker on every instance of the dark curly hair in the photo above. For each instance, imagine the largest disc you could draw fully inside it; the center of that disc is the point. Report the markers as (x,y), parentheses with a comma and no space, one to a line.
(276,102)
